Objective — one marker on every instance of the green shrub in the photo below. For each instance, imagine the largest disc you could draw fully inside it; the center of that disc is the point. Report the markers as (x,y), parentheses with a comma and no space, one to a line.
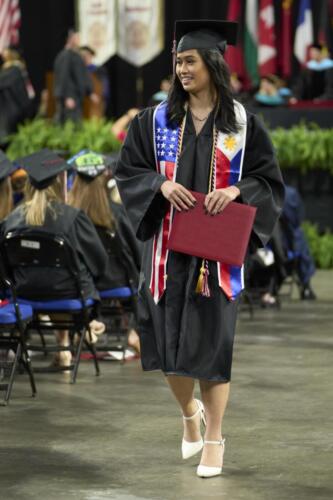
(321,245)
(69,138)
(304,146)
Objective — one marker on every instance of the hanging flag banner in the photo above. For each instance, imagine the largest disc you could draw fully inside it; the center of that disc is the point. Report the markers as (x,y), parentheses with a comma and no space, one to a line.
(267,52)
(140,30)
(10,21)
(285,52)
(251,40)
(234,55)
(96,24)
(304,32)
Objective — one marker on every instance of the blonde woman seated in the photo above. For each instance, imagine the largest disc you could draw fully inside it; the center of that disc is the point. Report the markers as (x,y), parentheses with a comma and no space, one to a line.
(90,193)
(45,209)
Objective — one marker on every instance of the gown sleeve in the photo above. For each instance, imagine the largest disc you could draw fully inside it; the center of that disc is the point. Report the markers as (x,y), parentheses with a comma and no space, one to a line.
(137,179)
(261,184)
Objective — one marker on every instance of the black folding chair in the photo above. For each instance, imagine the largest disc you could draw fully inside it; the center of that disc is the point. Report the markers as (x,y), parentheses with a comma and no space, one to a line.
(14,318)
(39,249)
(118,308)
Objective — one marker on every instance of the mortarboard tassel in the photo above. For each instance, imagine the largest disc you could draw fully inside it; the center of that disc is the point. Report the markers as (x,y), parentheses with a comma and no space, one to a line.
(202,283)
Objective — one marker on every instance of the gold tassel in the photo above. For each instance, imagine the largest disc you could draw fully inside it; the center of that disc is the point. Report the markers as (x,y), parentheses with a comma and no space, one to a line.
(200,282)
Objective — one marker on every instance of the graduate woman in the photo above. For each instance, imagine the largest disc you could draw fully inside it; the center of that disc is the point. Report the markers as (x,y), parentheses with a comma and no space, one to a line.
(200,140)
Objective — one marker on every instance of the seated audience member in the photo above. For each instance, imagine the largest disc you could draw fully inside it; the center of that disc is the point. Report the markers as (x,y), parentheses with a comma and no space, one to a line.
(44,209)
(265,269)
(16,93)
(316,80)
(18,179)
(6,196)
(283,90)
(6,202)
(119,127)
(295,243)
(89,192)
(162,94)
(268,93)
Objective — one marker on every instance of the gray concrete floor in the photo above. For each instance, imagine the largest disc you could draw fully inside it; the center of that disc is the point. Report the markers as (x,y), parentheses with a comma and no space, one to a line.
(118,436)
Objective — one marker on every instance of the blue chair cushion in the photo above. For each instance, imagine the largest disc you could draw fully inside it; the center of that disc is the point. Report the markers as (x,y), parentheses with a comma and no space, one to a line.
(116,293)
(8,315)
(57,305)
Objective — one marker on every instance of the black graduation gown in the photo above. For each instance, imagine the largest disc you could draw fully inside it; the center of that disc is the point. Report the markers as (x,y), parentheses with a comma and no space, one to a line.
(71,76)
(186,333)
(76,227)
(124,256)
(14,100)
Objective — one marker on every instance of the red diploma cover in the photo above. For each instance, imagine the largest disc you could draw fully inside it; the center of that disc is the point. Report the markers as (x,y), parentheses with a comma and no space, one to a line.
(223,237)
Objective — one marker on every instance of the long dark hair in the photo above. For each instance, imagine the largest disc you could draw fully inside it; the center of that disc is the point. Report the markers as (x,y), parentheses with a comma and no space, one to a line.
(220,76)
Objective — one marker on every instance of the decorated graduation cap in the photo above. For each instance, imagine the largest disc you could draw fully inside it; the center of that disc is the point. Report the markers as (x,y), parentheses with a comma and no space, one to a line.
(43,167)
(6,166)
(89,164)
(205,34)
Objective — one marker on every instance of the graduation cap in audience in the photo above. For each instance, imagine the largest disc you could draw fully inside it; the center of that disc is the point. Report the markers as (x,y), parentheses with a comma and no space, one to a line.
(6,166)
(43,167)
(89,164)
(205,34)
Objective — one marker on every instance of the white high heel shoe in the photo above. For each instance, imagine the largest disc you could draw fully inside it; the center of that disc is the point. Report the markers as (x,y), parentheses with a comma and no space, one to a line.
(205,470)
(190,448)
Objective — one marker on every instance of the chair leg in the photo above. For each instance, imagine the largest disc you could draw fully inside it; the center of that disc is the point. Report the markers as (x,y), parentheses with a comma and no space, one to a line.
(25,359)
(78,351)
(12,374)
(92,349)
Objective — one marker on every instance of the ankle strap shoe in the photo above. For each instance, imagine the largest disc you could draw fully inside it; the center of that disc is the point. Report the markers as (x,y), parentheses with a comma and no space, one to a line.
(191,448)
(205,470)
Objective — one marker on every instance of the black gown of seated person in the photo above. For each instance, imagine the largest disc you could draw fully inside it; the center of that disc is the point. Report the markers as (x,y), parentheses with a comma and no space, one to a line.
(124,257)
(50,284)
(186,333)
(116,271)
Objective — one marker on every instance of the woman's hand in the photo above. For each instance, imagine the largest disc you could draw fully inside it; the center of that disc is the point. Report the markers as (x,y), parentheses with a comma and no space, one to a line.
(179,197)
(70,103)
(217,200)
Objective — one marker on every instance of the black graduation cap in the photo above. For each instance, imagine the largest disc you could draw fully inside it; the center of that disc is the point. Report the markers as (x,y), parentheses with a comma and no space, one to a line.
(89,164)
(43,167)
(205,34)
(6,167)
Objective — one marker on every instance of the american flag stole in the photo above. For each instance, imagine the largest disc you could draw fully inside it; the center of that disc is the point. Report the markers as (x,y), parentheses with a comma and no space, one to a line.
(229,156)
(166,146)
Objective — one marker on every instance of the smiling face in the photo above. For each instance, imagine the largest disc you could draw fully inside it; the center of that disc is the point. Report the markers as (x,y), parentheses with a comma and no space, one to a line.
(192,71)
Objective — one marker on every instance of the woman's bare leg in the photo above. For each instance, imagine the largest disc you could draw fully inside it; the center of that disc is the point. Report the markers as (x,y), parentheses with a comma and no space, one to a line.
(183,390)
(215,398)
(63,357)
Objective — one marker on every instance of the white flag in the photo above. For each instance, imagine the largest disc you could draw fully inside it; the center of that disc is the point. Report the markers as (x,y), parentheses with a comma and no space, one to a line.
(97,20)
(304,31)
(140,30)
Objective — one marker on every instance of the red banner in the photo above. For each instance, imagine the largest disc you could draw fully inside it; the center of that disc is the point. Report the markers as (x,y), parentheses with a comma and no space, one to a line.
(286,39)
(267,43)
